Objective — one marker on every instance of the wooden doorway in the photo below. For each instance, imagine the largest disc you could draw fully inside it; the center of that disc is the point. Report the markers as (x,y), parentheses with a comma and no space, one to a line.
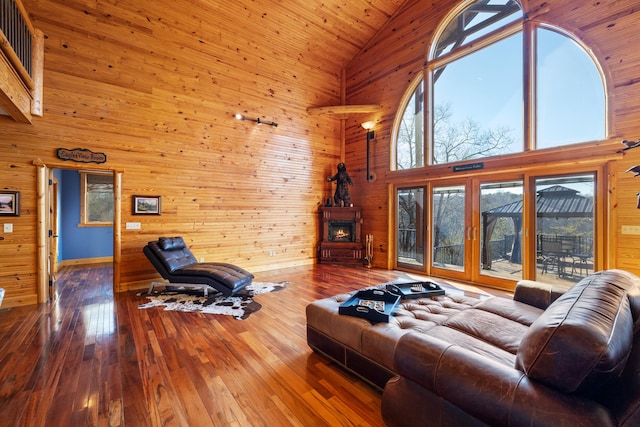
(46,261)
(53,233)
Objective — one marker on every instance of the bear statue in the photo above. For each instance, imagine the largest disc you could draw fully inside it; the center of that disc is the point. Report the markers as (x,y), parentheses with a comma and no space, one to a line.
(342,197)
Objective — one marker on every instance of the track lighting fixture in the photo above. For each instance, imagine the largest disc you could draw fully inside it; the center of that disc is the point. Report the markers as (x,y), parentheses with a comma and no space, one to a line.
(257,120)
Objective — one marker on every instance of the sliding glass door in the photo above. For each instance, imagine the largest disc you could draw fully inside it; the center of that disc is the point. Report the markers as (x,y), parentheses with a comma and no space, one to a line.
(449,228)
(498,231)
(476,230)
(565,227)
(500,242)
(410,203)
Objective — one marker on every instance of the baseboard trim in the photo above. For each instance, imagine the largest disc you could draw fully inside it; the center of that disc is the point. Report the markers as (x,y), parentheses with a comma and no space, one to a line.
(84,261)
(9,302)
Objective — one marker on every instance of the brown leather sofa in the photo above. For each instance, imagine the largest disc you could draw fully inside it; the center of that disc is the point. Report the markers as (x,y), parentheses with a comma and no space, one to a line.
(366,348)
(545,358)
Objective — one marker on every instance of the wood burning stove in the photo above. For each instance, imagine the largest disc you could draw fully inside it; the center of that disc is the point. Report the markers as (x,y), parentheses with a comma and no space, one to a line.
(340,236)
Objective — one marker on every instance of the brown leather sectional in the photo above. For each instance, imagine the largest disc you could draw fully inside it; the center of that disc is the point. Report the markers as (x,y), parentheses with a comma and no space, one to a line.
(545,358)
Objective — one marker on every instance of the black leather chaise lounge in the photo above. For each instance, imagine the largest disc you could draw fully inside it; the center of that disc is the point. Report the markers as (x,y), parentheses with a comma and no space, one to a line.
(175,262)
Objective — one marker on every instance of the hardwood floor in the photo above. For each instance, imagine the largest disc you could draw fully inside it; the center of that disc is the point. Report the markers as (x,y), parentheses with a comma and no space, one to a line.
(92,358)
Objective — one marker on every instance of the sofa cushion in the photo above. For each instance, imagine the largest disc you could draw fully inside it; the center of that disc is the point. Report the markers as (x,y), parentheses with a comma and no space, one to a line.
(631,284)
(538,294)
(516,311)
(377,341)
(174,258)
(582,339)
(490,328)
(171,243)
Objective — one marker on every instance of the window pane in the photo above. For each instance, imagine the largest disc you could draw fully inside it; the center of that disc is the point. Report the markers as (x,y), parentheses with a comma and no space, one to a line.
(99,198)
(410,138)
(565,228)
(501,229)
(448,227)
(478,104)
(411,227)
(571,103)
(100,207)
(475,21)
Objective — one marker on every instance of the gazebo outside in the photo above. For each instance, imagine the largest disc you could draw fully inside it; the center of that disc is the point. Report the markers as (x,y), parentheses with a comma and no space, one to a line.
(570,247)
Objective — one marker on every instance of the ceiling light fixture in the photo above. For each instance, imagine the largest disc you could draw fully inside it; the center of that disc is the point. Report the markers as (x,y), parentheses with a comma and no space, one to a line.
(258,121)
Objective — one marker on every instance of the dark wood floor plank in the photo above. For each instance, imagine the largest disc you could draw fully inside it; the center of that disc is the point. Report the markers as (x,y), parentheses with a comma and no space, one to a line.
(133,411)
(93,358)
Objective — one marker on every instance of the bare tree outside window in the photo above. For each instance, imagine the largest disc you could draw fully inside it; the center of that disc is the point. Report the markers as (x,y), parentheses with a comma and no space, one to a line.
(466,140)
(97,199)
(410,139)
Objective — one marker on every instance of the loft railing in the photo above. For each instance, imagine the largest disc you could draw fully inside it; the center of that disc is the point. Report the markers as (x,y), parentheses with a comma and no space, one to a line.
(21,62)
(17,33)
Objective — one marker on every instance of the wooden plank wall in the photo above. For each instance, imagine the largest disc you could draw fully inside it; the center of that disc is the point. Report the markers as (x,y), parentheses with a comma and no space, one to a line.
(381,73)
(155,86)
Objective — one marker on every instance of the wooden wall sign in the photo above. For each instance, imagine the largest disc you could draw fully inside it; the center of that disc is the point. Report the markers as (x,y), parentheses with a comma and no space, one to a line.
(469,167)
(81,155)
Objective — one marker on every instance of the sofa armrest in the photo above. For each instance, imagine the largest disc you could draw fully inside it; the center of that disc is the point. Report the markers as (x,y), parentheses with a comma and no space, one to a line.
(487,390)
(538,294)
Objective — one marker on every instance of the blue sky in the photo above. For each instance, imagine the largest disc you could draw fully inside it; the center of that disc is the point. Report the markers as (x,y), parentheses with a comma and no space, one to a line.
(487,87)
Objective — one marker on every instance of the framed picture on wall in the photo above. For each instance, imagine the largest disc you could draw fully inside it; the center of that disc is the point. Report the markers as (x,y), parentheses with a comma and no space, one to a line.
(147,205)
(9,203)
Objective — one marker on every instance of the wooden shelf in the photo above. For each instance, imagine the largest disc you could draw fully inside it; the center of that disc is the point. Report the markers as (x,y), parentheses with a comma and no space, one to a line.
(343,110)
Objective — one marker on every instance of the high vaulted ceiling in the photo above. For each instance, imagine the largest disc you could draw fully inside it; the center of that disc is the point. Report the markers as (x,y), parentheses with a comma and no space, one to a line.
(301,46)
(335,30)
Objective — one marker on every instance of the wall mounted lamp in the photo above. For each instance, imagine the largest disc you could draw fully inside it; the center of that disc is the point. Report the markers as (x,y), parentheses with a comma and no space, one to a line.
(368,126)
(628,145)
(258,121)
(636,172)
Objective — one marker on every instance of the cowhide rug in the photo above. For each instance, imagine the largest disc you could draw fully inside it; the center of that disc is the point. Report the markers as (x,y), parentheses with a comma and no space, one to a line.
(240,306)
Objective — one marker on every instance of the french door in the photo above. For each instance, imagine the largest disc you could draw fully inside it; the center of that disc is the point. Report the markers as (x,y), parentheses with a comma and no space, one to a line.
(498,230)
(410,230)
(451,230)
(500,238)
(476,230)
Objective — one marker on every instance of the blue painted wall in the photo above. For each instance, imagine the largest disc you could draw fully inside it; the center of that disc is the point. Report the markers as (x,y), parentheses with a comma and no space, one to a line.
(78,242)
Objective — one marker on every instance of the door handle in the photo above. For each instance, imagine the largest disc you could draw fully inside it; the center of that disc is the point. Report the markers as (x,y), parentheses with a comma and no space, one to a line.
(471,233)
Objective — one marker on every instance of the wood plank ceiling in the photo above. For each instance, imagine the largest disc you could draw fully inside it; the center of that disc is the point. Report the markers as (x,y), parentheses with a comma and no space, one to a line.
(325,35)
(156,86)
(335,30)
(316,36)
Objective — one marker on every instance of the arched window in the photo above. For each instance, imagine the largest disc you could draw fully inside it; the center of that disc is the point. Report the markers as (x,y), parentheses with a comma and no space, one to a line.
(569,92)
(486,97)
(410,135)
